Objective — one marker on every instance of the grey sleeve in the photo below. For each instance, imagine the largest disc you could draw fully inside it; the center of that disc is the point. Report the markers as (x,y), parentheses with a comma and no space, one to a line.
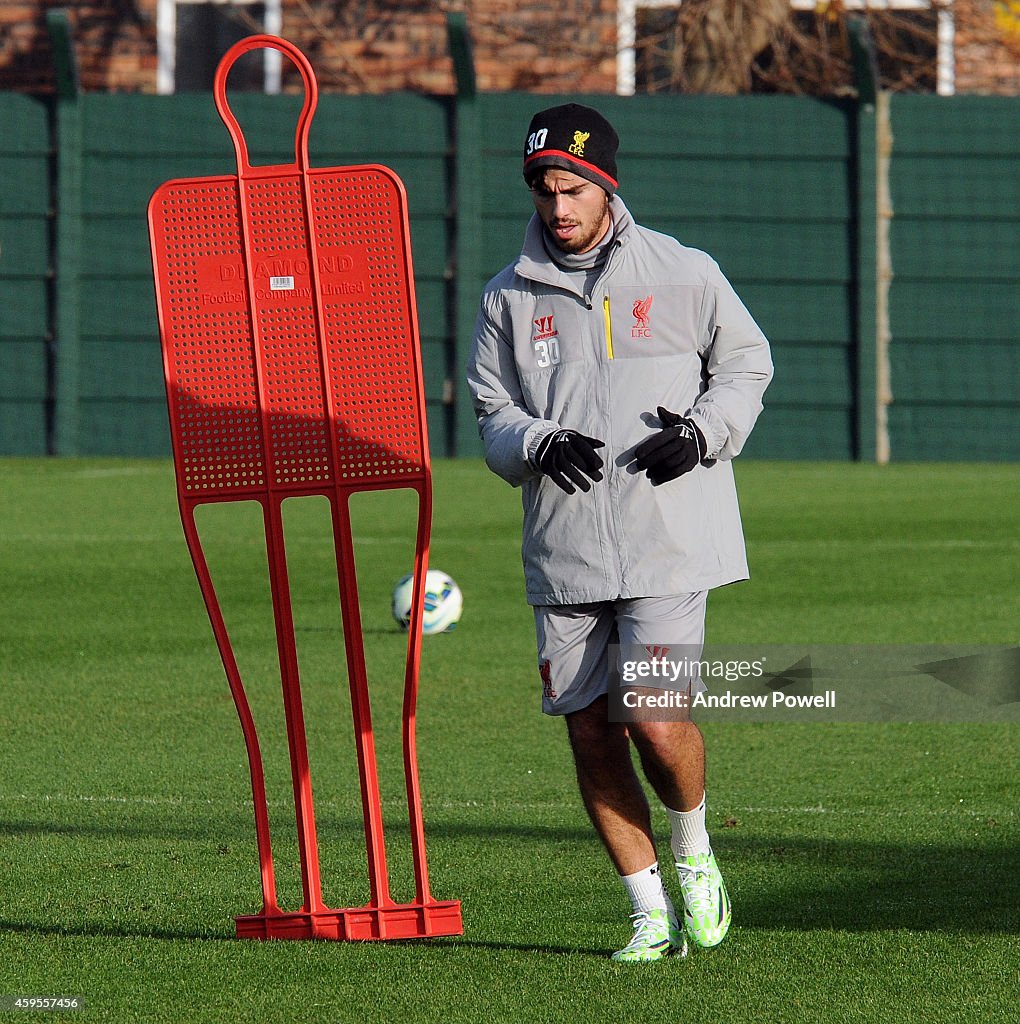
(510,433)
(738,367)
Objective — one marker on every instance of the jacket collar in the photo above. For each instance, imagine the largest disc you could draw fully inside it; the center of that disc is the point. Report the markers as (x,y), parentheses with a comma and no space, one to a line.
(536,264)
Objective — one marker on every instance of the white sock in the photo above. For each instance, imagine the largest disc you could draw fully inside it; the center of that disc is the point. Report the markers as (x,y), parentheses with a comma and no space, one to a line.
(646,891)
(690,836)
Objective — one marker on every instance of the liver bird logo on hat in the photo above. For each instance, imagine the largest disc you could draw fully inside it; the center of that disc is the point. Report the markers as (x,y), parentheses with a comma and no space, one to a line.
(577,146)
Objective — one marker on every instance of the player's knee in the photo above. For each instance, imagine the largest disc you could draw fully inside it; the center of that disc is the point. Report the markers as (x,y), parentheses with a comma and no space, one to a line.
(595,741)
(590,725)
(658,742)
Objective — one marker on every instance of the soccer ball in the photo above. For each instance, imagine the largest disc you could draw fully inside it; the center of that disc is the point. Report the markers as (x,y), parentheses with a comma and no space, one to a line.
(443,602)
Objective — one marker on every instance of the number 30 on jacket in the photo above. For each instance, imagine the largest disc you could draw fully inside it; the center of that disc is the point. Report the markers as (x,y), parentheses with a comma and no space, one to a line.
(547,352)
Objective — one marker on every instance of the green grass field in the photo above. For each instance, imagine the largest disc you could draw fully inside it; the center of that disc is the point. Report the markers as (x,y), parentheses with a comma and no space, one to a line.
(873,868)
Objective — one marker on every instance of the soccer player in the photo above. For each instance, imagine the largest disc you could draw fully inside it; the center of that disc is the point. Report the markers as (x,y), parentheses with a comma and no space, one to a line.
(615,374)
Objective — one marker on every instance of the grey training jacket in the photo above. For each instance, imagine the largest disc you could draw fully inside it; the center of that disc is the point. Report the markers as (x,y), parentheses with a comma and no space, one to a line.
(661,327)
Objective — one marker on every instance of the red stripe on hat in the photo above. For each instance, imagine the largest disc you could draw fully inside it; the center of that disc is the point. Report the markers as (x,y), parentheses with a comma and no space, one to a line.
(572,159)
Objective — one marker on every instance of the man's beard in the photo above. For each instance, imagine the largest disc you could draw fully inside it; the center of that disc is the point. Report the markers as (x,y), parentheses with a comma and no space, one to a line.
(582,242)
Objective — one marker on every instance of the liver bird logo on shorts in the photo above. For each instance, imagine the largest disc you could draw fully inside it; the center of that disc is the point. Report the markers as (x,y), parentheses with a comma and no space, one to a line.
(545,671)
(640,312)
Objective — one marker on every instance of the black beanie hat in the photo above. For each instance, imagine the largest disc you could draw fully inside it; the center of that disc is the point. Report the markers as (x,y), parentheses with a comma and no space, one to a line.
(573,138)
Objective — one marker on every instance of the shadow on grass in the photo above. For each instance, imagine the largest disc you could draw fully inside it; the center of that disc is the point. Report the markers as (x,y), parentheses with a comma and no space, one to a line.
(794,882)
(105,930)
(236,829)
(801,884)
(110,931)
(223,829)
(466,942)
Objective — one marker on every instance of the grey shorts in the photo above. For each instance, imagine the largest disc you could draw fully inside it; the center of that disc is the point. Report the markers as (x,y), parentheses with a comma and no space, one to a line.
(575,642)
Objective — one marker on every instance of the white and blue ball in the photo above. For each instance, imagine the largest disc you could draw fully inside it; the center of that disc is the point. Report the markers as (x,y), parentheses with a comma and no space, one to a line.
(443,602)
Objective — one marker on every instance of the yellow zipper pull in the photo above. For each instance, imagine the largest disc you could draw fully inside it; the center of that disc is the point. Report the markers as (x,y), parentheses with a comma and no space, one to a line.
(609,327)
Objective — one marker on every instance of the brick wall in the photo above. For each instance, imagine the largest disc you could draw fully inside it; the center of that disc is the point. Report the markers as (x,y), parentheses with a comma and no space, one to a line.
(555,46)
(988,47)
(374,46)
(115,45)
(385,45)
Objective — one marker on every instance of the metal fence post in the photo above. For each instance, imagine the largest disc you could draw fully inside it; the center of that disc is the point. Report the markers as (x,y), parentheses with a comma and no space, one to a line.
(68,140)
(467,233)
(873,269)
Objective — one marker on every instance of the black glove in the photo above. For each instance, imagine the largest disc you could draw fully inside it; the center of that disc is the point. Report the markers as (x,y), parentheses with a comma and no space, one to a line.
(673,451)
(566,455)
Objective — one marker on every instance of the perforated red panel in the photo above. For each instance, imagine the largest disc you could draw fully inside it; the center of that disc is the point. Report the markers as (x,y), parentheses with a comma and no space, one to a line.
(207,341)
(287,333)
(369,311)
(229,373)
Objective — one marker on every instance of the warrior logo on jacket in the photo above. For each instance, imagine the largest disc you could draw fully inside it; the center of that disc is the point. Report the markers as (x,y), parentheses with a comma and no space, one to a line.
(545,328)
(545,343)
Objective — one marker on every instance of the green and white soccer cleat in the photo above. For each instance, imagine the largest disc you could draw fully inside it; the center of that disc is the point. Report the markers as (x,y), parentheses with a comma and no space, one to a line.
(707,910)
(655,936)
